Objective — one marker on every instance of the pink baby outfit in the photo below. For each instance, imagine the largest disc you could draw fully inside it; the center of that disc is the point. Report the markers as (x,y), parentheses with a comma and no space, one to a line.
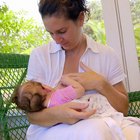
(62,96)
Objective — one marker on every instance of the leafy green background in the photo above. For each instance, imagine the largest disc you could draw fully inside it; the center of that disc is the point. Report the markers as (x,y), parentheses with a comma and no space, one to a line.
(20,35)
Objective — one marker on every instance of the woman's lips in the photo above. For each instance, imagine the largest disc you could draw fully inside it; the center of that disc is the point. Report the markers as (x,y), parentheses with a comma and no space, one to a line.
(64,44)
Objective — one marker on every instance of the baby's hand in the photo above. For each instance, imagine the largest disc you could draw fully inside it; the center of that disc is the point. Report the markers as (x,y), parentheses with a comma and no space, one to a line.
(66,80)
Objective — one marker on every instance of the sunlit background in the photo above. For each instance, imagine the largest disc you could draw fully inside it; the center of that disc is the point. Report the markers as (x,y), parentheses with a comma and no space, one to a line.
(30,6)
(95,28)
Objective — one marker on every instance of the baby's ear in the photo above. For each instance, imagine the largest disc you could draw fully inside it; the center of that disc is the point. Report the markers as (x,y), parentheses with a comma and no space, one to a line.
(47,88)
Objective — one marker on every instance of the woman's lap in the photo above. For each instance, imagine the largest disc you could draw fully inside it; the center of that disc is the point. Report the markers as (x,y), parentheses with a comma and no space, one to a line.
(132,132)
(86,129)
(89,129)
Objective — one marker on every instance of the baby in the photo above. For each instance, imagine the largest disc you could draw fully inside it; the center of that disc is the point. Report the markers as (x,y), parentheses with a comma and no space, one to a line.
(32,96)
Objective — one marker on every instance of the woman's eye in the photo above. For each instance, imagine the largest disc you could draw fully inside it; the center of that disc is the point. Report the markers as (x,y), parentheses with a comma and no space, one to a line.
(62,32)
(51,34)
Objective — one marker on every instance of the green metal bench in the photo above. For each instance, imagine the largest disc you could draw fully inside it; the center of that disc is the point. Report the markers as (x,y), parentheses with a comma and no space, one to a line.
(13,122)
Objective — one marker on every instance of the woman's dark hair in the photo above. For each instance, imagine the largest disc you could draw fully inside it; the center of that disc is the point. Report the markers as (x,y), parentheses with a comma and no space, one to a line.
(69,8)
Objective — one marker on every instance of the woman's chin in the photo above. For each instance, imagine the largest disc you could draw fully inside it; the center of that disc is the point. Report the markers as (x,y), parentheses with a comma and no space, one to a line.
(64,47)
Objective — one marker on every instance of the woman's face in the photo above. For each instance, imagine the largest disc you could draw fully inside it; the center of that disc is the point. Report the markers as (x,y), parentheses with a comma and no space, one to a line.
(65,32)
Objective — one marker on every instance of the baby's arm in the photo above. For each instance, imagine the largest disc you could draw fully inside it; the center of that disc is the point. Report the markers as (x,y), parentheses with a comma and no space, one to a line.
(67,81)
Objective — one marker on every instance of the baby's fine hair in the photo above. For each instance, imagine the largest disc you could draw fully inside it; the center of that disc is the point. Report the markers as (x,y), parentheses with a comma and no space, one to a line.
(69,8)
(28,101)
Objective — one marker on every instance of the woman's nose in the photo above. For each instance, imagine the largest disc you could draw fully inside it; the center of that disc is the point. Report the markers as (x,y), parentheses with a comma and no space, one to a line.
(57,38)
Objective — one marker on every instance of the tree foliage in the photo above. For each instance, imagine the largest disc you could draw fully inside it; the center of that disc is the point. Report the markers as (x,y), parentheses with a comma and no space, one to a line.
(95,10)
(135,11)
(95,26)
(18,34)
(96,30)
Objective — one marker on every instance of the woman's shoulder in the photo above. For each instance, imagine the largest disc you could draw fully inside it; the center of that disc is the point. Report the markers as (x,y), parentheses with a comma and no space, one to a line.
(42,47)
(51,47)
(98,47)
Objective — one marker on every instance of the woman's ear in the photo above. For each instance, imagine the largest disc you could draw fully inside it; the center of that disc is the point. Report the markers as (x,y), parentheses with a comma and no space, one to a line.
(81,18)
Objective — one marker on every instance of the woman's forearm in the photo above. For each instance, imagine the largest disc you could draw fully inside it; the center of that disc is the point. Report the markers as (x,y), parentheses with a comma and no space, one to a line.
(116,95)
(68,113)
(45,117)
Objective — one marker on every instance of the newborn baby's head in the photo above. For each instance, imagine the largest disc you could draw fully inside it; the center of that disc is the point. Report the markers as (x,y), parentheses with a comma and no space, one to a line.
(29,96)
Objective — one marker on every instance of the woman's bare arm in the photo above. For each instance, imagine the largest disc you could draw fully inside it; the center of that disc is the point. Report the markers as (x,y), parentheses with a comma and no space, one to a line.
(67,113)
(116,94)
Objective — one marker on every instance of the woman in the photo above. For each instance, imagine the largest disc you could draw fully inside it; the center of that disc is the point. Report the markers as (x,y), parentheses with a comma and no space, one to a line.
(102,73)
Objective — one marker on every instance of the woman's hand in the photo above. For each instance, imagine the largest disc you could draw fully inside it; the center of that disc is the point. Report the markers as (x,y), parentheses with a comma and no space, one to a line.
(89,79)
(94,81)
(68,113)
(72,112)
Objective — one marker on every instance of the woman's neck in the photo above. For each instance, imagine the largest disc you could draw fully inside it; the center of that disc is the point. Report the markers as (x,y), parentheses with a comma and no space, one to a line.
(73,57)
(79,48)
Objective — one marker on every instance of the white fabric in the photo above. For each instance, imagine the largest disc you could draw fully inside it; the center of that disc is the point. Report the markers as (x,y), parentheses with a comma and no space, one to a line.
(114,119)
(46,66)
(46,63)
(83,130)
